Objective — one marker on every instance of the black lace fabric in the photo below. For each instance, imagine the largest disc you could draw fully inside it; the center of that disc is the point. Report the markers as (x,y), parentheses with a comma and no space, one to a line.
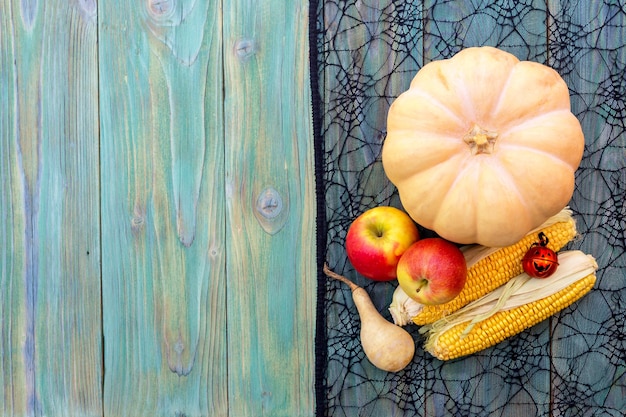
(364,54)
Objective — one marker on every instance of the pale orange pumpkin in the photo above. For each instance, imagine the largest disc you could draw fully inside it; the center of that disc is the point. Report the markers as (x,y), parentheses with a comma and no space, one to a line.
(483,147)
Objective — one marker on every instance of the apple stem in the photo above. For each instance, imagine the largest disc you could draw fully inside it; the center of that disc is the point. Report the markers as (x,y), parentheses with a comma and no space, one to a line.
(341,278)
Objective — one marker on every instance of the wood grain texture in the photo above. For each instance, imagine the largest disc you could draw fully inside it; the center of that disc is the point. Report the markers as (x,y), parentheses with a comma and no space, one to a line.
(270,202)
(157,156)
(163,209)
(50,340)
(369,40)
(518,27)
(589,376)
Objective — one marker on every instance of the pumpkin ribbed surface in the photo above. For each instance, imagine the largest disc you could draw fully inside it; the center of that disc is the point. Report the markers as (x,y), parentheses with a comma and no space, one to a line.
(483,147)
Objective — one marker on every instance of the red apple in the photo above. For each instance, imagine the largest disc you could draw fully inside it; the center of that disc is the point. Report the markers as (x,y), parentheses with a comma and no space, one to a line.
(377,239)
(432,271)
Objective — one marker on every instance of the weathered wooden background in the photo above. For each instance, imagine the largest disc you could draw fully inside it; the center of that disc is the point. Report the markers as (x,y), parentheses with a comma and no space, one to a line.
(157,201)
(156,212)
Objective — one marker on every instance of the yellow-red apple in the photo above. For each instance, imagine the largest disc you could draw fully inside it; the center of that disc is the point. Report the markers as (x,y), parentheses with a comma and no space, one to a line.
(377,239)
(432,271)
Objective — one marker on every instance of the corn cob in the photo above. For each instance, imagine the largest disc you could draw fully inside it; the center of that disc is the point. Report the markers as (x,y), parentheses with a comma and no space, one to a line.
(488,269)
(479,325)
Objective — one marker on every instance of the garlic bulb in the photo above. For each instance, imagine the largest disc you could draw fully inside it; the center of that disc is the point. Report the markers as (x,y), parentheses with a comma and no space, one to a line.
(403,308)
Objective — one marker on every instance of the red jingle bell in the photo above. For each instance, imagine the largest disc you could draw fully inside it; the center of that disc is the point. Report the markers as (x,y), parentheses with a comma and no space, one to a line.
(540,261)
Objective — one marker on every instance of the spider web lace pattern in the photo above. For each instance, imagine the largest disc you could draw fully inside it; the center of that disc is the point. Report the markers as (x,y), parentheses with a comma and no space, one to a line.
(589,342)
(366,53)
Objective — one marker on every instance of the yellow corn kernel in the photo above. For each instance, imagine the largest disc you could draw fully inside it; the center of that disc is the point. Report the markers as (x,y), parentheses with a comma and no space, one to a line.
(497,269)
(453,343)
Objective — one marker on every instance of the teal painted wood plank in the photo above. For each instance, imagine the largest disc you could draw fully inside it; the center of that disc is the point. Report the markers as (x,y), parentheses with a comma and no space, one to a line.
(589,338)
(50,340)
(513,377)
(162,160)
(270,206)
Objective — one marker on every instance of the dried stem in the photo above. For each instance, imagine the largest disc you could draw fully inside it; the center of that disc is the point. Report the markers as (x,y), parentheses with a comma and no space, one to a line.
(338,277)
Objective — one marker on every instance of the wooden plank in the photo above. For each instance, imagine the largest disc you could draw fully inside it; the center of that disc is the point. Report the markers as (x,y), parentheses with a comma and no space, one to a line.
(270,206)
(512,378)
(370,52)
(589,338)
(518,27)
(50,340)
(163,208)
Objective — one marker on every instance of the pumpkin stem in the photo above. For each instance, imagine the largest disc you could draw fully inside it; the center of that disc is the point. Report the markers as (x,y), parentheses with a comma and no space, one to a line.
(480,140)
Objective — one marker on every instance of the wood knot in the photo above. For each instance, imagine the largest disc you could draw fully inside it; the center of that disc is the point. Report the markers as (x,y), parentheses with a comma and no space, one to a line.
(160,8)
(245,48)
(136,223)
(138,219)
(271,210)
(89,8)
(269,203)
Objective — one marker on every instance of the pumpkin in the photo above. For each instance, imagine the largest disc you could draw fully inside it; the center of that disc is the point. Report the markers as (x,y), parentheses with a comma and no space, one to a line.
(483,147)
